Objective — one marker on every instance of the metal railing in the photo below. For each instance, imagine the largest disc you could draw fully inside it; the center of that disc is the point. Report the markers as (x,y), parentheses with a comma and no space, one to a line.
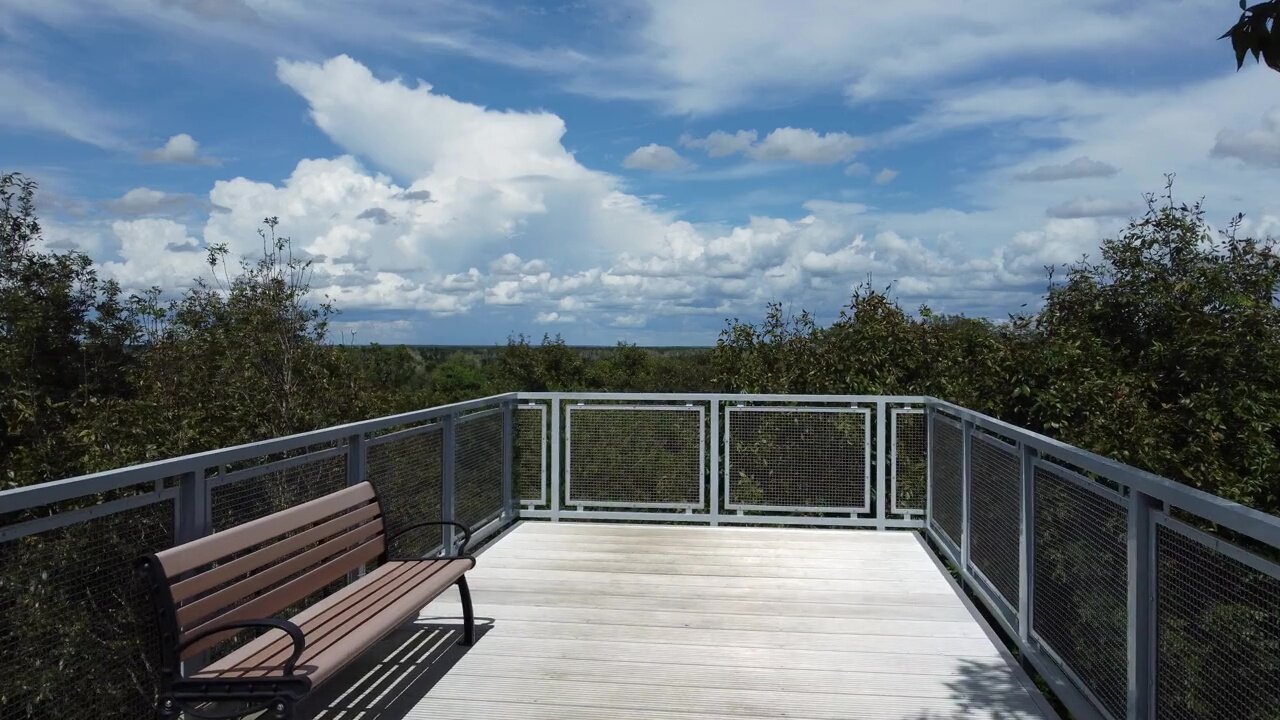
(1132,595)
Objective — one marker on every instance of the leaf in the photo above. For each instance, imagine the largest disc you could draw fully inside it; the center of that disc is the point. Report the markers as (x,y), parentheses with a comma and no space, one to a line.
(1240,43)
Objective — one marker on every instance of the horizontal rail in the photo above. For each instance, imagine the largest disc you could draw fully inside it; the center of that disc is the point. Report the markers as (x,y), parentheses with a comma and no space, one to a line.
(723,397)
(22,498)
(1254,523)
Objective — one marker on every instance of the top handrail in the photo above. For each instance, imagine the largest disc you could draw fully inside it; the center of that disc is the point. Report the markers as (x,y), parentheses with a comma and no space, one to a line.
(1240,518)
(22,498)
(706,397)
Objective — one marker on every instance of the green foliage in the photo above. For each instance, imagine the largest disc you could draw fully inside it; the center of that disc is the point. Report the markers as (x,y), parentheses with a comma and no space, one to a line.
(1157,354)
(1258,32)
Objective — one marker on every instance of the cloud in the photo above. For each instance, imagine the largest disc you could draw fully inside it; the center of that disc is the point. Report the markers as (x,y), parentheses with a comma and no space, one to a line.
(1090,207)
(856,169)
(720,143)
(376,214)
(656,157)
(31,102)
(1259,146)
(155,252)
(145,201)
(180,149)
(784,144)
(886,176)
(1081,167)
(547,318)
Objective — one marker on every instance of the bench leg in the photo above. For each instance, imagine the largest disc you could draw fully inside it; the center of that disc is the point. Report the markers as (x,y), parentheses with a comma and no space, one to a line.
(468,614)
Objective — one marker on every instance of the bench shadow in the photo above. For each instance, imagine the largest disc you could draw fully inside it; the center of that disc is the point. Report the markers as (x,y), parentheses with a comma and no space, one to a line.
(386,681)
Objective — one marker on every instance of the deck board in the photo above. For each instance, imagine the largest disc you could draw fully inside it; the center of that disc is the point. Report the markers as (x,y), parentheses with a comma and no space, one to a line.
(671,623)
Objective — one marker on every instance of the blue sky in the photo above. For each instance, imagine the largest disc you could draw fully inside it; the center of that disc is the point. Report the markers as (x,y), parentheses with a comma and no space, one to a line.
(461,171)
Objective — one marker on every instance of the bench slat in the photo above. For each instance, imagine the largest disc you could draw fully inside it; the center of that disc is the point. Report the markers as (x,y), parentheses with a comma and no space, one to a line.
(191,587)
(213,547)
(270,603)
(206,606)
(340,628)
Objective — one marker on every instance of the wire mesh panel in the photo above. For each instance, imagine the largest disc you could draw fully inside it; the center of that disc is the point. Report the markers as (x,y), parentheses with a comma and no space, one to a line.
(530,424)
(251,493)
(799,459)
(648,456)
(407,468)
(1080,611)
(77,638)
(907,430)
(947,490)
(1218,628)
(478,467)
(995,510)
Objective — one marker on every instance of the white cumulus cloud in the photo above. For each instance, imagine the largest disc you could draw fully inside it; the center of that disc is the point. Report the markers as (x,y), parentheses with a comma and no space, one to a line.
(656,157)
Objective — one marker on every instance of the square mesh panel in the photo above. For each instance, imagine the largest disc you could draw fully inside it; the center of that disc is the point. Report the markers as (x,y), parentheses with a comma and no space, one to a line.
(995,510)
(948,489)
(530,454)
(478,468)
(407,472)
(800,459)
(910,459)
(254,497)
(634,456)
(1218,623)
(1081,583)
(77,637)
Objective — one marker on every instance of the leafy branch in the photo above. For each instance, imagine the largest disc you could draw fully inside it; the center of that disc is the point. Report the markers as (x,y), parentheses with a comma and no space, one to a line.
(1257,32)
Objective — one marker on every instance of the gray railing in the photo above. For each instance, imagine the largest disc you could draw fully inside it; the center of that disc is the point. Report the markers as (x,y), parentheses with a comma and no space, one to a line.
(1132,595)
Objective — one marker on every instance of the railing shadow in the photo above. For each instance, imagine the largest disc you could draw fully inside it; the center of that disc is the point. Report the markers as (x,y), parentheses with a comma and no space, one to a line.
(387,681)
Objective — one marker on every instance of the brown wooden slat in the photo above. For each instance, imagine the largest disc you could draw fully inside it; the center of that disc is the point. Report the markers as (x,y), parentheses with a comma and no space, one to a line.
(317,626)
(206,606)
(338,632)
(269,604)
(193,586)
(221,544)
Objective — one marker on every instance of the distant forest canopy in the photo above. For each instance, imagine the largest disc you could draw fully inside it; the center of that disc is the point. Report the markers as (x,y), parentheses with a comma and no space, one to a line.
(1163,352)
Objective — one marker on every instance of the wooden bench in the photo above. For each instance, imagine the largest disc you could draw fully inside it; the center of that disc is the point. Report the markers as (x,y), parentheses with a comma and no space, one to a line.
(244,578)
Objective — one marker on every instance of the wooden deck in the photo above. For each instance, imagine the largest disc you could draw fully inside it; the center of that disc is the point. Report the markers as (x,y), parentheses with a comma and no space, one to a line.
(634,622)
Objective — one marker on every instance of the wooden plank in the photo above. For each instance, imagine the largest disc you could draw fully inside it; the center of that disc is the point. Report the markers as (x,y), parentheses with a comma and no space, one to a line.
(744,703)
(907,588)
(997,681)
(682,623)
(671,567)
(794,658)
(710,619)
(887,609)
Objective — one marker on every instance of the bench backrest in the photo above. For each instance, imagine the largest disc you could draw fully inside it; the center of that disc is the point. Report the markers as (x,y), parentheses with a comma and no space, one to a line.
(260,568)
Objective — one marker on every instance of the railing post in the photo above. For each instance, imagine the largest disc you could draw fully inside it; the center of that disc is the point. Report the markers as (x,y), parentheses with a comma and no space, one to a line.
(966,484)
(1142,635)
(508,458)
(928,468)
(192,519)
(714,478)
(882,459)
(555,459)
(1026,544)
(448,449)
(356,458)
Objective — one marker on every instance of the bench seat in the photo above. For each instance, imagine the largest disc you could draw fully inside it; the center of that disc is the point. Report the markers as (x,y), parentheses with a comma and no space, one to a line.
(340,627)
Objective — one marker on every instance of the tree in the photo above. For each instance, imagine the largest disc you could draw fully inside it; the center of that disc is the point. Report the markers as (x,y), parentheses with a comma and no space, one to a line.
(1258,32)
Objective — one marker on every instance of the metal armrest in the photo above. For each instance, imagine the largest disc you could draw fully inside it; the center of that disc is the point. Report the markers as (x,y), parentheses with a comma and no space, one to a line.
(294,632)
(466,532)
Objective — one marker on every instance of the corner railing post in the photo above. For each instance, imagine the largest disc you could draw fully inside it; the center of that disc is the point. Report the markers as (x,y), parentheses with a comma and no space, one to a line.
(966,486)
(882,456)
(448,449)
(714,478)
(1026,543)
(555,459)
(1141,641)
(508,459)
